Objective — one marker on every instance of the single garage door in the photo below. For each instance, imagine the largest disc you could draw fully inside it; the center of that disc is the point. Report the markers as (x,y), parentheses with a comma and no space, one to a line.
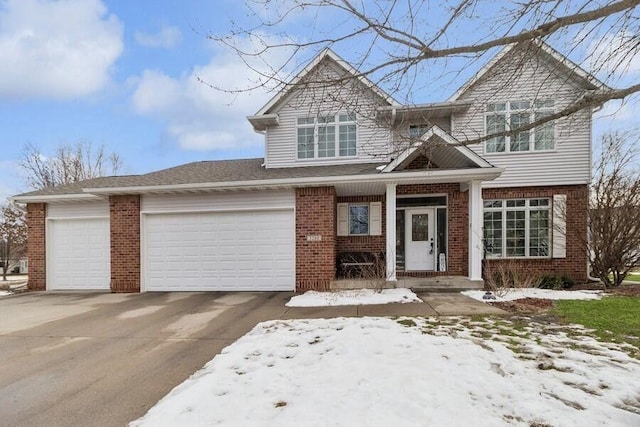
(78,252)
(220,251)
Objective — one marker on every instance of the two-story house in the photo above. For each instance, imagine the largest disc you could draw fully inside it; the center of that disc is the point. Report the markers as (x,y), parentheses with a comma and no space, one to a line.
(346,169)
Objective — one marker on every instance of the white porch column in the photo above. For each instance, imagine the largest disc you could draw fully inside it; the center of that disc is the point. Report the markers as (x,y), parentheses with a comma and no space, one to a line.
(391,232)
(475,230)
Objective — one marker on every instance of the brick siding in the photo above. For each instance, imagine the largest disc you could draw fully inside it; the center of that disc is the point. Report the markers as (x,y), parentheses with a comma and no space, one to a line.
(575,263)
(125,243)
(315,216)
(36,246)
(374,244)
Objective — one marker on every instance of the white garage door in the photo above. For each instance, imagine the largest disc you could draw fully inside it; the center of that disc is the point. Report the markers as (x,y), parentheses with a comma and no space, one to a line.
(78,254)
(226,251)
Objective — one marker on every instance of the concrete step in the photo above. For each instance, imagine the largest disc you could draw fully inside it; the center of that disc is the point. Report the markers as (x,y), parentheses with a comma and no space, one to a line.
(416,284)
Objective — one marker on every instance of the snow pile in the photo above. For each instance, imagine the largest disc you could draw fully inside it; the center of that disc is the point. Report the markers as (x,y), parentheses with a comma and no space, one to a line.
(4,293)
(353,297)
(520,293)
(408,372)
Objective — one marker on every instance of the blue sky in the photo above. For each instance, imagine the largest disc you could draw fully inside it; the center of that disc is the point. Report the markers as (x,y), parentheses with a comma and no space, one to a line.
(124,74)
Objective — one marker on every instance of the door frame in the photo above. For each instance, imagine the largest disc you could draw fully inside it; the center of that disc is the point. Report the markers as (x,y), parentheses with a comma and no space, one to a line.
(431,211)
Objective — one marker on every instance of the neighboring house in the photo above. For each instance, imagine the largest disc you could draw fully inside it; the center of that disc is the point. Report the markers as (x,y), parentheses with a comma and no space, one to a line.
(346,169)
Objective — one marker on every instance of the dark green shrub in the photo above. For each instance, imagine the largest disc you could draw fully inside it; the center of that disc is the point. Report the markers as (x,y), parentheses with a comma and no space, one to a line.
(552,281)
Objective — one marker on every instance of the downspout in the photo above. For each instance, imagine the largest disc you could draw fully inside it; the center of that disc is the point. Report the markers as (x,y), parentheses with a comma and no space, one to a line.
(589,276)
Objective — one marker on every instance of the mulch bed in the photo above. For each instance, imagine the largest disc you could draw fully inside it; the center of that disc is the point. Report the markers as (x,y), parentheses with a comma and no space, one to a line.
(537,305)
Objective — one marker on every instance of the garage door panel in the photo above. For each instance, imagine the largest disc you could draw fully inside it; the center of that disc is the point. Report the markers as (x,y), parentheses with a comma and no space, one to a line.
(79,254)
(220,251)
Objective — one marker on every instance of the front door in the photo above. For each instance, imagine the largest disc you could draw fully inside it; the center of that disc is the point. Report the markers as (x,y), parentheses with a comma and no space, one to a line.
(420,239)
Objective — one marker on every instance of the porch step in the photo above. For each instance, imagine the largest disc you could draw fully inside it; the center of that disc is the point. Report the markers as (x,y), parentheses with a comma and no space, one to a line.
(416,284)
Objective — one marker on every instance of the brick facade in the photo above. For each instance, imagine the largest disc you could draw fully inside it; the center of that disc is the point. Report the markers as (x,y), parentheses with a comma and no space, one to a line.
(374,244)
(125,243)
(315,216)
(36,246)
(575,262)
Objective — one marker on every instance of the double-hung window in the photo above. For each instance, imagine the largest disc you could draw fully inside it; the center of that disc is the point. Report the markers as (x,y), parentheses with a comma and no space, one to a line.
(327,136)
(504,116)
(359,219)
(517,228)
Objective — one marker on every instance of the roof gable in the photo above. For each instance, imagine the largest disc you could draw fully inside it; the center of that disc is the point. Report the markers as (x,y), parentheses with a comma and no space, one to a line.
(448,154)
(326,55)
(568,66)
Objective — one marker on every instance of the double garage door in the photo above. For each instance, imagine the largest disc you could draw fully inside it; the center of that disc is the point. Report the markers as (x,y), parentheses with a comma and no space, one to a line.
(228,242)
(226,251)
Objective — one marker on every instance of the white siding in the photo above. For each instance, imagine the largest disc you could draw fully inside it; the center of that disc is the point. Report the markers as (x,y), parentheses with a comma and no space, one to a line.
(517,79)
(78,210)
(372,138)
(232,201)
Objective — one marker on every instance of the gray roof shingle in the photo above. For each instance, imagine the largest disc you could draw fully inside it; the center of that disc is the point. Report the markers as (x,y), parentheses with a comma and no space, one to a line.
(210,172)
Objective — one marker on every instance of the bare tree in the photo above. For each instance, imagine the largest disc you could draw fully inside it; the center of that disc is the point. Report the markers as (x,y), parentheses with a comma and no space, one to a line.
(398,43)
(614,211)
(68,164)
(13,236)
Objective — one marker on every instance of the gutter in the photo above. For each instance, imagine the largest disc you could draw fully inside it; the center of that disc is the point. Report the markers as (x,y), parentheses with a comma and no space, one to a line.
(55,198)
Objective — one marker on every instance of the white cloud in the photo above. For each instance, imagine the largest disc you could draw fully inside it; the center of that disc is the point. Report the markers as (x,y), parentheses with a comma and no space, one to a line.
(56,49)
(615,54)
(167,38)
(197,116)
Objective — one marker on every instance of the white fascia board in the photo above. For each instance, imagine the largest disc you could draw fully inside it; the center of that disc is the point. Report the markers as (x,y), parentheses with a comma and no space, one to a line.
(77,197)
(326,53)
(571,67)
(434,175)
(446,137)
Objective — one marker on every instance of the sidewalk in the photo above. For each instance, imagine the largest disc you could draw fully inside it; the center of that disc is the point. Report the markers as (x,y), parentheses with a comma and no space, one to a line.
(435,304)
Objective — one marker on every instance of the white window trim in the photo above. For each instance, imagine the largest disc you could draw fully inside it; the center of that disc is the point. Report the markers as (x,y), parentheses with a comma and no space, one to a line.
(532,139)
(527,208)
(337,123)
(343,219)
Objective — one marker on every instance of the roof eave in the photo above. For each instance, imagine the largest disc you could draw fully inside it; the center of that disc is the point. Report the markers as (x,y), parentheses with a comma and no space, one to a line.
(51,198)
(437,175)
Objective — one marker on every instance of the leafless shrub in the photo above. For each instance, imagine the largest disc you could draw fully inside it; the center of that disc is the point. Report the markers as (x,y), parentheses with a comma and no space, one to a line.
(504,275)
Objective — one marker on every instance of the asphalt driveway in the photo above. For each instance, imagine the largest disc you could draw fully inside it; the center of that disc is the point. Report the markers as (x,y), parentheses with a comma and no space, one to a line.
(105,359)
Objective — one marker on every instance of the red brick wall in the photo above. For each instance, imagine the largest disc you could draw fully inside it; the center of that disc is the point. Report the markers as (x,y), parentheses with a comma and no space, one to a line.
(36,246)
(458,225)
(575,263)
(125,243)
(315,216)
(374,244)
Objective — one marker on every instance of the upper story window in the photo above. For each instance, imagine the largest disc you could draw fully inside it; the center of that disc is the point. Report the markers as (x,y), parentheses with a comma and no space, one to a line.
(416,131)
(327,136)
(514,114)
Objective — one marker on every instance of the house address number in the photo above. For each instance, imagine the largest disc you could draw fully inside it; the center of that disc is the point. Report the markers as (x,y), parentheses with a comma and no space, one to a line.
(314,238)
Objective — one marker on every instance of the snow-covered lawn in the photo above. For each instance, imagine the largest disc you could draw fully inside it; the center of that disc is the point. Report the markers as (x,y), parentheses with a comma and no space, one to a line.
(515,294)
(409,372)
(352,297)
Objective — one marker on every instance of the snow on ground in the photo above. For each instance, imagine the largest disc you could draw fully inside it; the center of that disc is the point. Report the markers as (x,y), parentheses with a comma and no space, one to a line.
(353,297)
(520,293)
(4,293)
(409,372)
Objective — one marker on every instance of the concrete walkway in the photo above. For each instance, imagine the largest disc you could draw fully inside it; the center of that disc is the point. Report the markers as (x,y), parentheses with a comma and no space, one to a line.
(435,304)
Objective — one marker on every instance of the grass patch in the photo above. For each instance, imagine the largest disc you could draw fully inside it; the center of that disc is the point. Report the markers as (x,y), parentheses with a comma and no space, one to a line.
(633,277)
(613,318)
